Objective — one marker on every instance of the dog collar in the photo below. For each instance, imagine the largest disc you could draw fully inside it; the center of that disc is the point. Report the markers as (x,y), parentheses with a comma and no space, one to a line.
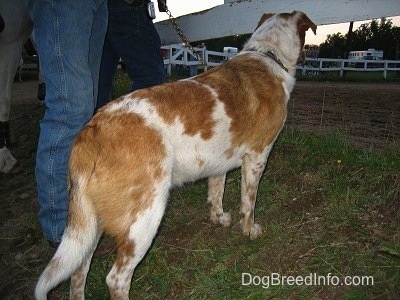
(271,55)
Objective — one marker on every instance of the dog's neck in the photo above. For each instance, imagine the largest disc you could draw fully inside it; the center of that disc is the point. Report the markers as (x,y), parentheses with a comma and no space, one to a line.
(270,53)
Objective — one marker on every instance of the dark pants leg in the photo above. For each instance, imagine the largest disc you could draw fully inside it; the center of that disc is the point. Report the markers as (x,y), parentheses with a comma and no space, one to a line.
(131,35)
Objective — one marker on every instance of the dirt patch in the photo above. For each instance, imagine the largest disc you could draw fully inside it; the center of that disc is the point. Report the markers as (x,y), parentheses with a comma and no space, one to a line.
(369,115)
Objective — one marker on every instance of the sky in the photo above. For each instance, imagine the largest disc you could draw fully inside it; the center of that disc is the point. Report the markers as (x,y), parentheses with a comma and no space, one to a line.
(179,7)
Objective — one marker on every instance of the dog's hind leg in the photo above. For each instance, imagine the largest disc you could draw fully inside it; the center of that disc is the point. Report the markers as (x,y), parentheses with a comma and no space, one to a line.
(252,169)
(78,278)
(216,186)
(133,246)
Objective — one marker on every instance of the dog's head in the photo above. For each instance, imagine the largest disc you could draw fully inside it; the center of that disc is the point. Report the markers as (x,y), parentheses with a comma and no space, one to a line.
(284,33)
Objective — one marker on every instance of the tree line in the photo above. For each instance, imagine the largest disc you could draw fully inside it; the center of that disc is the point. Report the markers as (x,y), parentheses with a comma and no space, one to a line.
(378,34)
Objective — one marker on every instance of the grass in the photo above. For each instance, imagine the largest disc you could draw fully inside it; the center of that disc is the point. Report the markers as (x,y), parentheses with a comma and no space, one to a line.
(326,207)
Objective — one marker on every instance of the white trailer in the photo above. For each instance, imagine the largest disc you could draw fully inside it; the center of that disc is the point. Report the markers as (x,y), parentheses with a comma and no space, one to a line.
(370,54)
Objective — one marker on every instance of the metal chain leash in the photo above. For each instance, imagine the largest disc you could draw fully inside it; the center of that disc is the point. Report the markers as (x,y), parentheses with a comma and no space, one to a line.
(181,34)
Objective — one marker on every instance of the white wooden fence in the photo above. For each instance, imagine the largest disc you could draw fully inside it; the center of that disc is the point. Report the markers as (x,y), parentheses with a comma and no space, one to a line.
(177,54)
(341,65)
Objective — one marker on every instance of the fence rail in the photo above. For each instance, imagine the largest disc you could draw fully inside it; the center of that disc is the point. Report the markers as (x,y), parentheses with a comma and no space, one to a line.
(177,54)
(341,65)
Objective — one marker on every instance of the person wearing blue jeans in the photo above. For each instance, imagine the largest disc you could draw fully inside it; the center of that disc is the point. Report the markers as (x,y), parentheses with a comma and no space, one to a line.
(131,36)
(69,35)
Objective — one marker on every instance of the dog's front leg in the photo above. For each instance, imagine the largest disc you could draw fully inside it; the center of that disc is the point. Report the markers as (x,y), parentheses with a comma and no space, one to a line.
(252,168)
(216,186)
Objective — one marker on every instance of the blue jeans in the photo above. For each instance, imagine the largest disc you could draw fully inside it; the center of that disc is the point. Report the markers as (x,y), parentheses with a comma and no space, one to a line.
(131,35)
(69,35)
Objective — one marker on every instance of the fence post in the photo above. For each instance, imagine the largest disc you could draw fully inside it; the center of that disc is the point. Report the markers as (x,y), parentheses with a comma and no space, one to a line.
(169,66)
(341,68)
(385,65)
(205,59)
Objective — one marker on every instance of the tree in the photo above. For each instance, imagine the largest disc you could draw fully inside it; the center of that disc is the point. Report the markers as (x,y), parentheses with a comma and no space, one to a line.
(333,47)
(380,35)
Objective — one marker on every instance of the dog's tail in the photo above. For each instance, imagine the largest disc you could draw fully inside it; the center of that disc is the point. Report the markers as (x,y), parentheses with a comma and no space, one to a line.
(78,242)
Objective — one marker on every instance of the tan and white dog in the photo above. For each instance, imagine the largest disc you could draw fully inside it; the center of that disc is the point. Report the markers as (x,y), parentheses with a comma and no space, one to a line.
(136,148)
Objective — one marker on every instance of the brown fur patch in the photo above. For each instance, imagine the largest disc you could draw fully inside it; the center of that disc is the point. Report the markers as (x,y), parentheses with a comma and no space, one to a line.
(126,249)
(303,24)
(120,159)
(253,99)
(191,103)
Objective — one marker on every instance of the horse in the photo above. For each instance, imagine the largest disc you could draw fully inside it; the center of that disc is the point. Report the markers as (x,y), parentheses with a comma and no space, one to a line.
(15,29)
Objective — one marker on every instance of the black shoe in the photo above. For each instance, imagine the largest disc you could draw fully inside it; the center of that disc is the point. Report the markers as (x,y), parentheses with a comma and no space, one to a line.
(41,93)
(54,245)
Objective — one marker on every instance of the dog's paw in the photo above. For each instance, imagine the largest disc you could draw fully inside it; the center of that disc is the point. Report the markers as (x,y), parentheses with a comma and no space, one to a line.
(224,219)
(255,231)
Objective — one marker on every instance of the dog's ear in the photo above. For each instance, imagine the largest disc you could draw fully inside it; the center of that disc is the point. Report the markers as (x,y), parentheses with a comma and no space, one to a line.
(263,19)
(303,24)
